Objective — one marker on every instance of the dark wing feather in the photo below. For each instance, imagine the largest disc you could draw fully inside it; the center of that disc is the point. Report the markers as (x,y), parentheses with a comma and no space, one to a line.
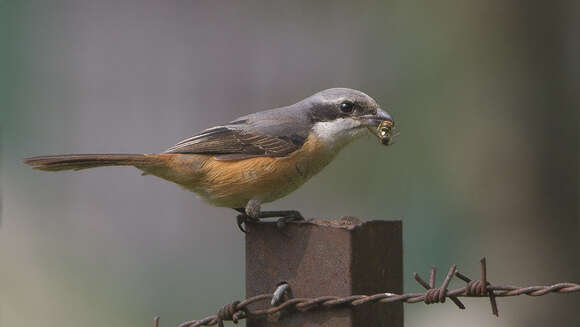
(236,143)
(271,133)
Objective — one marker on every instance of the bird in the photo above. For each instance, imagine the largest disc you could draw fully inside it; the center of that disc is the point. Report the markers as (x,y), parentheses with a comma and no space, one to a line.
(254,159)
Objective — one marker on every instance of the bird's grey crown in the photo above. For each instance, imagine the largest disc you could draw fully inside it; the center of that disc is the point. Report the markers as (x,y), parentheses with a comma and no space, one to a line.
(342,92)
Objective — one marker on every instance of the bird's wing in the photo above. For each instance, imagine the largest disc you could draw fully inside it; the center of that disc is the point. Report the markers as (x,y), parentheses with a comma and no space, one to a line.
(242,139)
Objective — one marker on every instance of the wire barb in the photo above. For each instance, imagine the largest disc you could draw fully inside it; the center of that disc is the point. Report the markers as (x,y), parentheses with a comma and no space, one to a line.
(438,295)
(473,288)
(479,288)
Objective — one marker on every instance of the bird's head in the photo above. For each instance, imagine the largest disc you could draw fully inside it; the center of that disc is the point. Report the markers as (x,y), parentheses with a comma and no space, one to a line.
(340,115)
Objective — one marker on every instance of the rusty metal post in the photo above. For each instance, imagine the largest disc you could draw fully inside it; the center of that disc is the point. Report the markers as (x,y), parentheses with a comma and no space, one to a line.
(322,257)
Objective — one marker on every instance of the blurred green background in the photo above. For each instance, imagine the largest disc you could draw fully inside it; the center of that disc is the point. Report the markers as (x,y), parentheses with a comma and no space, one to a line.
(486,94)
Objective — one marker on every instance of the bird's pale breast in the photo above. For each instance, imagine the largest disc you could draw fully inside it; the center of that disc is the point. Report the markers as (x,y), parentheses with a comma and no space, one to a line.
(233,183)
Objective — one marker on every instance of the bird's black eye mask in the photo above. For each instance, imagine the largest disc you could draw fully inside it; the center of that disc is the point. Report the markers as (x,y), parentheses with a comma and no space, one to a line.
(331,111)
(356,108)
(323,113)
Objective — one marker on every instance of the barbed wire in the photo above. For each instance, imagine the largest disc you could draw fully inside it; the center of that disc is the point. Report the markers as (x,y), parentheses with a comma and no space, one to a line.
(238,310)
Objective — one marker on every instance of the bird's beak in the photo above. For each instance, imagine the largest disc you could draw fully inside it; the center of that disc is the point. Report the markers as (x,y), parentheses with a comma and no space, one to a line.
(373,121)
(383,115)
(381,124)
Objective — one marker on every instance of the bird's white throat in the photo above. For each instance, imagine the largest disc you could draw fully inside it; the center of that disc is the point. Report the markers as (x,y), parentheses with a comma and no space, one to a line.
(338,133)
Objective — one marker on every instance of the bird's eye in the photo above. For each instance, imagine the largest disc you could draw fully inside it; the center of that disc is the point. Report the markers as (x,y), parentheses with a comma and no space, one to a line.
(346,107)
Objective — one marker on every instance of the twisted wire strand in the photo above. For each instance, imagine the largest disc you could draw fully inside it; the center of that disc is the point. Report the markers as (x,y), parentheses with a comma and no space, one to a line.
(474,288)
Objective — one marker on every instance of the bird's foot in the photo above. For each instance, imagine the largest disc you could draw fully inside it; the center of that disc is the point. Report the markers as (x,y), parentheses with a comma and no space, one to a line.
(285,216)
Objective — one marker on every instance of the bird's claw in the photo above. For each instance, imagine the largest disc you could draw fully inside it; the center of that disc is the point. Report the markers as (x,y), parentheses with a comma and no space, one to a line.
(242,219)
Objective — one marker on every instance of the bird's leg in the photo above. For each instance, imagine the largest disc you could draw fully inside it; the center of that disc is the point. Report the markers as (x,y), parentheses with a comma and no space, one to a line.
(253,209)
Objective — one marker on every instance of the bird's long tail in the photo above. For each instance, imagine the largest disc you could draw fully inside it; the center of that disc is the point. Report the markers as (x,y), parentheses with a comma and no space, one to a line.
(84,161)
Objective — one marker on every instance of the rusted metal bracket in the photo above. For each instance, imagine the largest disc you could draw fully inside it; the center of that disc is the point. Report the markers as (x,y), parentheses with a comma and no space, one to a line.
(340,257)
